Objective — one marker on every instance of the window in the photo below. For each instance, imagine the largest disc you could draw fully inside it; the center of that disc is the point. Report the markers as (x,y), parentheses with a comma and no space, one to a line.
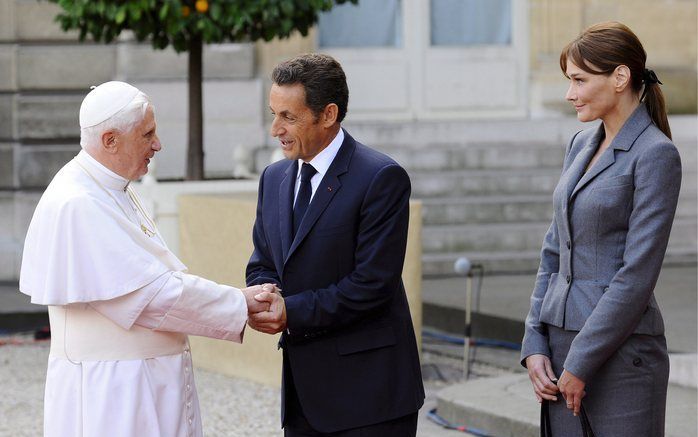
(470,22)
(370,23)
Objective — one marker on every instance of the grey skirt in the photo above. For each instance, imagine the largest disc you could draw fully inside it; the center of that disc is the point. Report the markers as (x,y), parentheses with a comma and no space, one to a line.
(626,397)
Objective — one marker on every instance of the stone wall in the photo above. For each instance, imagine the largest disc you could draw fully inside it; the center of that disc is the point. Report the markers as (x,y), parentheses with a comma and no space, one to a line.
(668,30)
(44,75)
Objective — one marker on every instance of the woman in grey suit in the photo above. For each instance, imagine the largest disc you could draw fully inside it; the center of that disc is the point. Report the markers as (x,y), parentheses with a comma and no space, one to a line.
(594,322)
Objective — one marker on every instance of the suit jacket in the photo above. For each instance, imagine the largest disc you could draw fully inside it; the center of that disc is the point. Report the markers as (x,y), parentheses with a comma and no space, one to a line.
(350,343)
(603,252)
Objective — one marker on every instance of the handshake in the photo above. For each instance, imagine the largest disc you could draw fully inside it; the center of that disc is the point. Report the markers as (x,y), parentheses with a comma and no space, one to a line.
(266,311)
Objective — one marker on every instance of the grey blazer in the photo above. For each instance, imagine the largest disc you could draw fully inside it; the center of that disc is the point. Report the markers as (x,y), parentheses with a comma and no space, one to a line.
(603,252)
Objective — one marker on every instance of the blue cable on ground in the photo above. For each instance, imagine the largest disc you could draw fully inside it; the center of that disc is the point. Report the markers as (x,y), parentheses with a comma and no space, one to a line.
(497,343)
(434,417)
(473,341)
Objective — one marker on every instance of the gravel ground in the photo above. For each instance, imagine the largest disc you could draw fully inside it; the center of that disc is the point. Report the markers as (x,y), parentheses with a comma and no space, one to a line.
(231,407)
(22,372)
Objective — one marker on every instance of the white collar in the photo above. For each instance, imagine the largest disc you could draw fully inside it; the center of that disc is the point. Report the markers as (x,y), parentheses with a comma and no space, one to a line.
(323,160)
(105,176)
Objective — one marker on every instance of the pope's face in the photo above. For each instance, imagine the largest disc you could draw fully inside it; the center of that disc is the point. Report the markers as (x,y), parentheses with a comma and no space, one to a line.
(592,95)
(295,125)
(137,147)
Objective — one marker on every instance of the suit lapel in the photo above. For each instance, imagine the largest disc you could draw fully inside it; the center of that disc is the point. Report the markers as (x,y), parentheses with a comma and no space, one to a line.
(605,160)
(581,161)
(638,121)
(286,207)
(328,188)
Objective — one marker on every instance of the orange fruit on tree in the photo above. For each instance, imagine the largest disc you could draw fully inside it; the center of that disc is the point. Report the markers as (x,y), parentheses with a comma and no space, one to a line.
(186,11)
(201,6)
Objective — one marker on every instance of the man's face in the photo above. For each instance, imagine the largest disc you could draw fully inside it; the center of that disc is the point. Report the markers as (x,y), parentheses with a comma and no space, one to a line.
(137,147)
(301,134)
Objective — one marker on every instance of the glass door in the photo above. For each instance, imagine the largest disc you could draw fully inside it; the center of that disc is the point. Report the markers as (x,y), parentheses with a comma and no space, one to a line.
(431,59)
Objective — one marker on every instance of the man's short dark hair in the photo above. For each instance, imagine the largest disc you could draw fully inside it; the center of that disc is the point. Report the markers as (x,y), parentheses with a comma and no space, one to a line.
(322,78)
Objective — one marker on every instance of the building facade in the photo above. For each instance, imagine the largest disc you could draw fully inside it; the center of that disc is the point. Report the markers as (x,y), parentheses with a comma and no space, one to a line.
(476,83)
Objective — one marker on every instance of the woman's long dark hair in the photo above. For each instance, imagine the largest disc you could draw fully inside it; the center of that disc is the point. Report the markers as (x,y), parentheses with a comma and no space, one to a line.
(607,45)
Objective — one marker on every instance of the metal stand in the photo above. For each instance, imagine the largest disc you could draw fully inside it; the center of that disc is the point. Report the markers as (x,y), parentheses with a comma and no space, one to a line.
(468,316)
(463,267)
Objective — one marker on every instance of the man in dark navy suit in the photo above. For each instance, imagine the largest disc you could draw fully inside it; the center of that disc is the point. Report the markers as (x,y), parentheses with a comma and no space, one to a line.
(331,232)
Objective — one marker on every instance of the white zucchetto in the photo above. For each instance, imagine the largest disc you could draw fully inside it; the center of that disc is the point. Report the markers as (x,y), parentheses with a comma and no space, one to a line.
(105,101)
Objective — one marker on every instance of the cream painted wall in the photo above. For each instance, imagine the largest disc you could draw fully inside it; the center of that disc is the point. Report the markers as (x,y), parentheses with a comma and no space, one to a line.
(216,242)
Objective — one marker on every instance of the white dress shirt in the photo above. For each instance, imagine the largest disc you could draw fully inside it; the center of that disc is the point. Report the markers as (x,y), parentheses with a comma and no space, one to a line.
(321,162)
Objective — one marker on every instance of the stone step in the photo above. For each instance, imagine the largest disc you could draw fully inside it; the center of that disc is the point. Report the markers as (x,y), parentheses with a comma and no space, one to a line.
(688,202)
(475,157)
(486,209)
(505,262)
(504,406)
(684,369)
(504,182)
(521,236)
(486,237)
(484,182)
(17,313)
(498,155)
(441,264)
(510,209)
(484,155)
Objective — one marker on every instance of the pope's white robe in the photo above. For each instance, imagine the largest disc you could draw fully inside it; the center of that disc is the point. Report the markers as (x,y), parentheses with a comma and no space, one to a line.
(117,299)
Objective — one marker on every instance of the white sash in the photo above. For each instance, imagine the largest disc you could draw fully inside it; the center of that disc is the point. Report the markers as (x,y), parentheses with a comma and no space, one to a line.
(79,333)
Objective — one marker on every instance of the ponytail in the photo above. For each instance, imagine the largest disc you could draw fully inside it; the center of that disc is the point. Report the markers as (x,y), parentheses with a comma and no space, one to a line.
(653,97)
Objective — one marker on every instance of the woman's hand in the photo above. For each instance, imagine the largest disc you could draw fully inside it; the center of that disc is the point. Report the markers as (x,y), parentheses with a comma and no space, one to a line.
(572,389)
(540,371)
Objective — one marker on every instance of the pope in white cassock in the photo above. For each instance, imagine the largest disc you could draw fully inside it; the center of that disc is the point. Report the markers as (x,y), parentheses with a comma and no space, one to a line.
(120,303)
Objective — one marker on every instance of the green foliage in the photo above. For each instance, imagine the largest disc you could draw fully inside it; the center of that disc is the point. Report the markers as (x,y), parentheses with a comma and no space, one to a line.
(176,22)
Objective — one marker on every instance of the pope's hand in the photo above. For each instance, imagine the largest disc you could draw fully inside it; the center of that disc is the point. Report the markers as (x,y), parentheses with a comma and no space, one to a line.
(272,321)
(254,305)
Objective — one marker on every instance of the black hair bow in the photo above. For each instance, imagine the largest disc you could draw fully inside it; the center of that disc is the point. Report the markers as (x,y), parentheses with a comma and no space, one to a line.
(650,77)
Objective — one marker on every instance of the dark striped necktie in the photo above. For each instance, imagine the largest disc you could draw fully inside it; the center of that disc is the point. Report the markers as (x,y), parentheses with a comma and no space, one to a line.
(304,193)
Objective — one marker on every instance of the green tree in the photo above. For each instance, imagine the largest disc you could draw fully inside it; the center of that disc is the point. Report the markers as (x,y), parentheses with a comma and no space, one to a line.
(186,25)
